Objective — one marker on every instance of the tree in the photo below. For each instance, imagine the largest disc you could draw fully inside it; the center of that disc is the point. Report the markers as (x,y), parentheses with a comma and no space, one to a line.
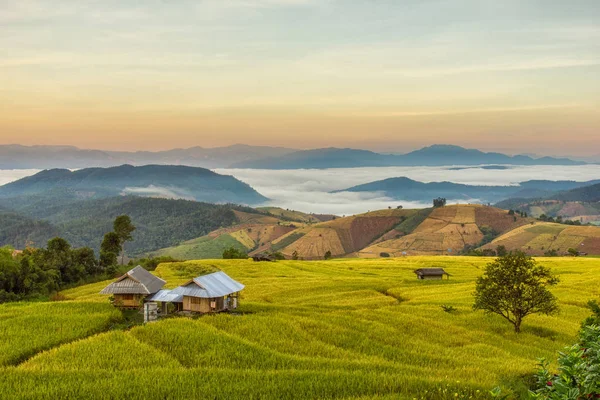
(109,250)
(515,286)
(123,228)
(327,255)
(233,253)
(85,258)
(501,250)
(439,202)
(295,255)
(573,252)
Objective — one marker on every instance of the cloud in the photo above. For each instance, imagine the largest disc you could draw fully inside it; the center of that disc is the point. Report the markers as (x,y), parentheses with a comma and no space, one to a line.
(308,190)
(158,191)
(11,175)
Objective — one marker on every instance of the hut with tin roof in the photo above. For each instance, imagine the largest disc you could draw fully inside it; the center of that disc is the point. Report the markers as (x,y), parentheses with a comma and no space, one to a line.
(209,293)
(131,289)
(431,273)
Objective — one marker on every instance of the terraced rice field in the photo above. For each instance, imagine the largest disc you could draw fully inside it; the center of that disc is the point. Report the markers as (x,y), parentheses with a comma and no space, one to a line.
(543,236)
(447,230)
(348,329)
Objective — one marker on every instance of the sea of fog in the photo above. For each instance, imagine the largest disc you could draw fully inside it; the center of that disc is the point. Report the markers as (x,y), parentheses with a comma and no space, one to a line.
(308,189)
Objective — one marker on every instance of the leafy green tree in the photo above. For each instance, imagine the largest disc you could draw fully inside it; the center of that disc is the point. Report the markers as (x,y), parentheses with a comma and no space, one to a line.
(515,286)
(573,252)
(85,257)
(327,255)
(439,202)
(277,255)
(124,229)
(58,256)
(233,253)
(501,250)
(109,250)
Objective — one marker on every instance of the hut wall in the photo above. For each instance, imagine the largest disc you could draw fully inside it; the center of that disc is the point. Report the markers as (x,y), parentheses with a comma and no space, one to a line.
(433,277)
(197,304)
(128,300)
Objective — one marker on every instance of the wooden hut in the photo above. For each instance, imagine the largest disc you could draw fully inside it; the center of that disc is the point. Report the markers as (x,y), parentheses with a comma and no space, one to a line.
(209,293)
(431,273)
(131,289)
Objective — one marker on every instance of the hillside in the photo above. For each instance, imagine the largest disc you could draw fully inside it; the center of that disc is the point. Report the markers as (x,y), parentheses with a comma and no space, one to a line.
(342,236)
(435,155)
(579,204)
(351,329)
(589,194)
(541,237)
(403,188)
(160,222)
(252,231)
(164,181)
(447,230)
(296,215)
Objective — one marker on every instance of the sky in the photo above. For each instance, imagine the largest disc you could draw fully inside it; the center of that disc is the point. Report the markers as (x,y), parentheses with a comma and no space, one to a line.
(517,76)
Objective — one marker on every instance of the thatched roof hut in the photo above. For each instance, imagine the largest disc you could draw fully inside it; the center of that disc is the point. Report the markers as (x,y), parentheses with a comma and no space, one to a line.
(132,288)
(431,273)
(209,293)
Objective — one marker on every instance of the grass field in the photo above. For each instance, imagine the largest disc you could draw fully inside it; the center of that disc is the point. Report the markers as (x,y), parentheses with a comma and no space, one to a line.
(348,328)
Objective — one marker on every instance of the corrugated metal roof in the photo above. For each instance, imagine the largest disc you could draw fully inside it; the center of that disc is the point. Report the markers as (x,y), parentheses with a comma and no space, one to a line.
(135,281)
(431,271)
(217,284)
(166,295)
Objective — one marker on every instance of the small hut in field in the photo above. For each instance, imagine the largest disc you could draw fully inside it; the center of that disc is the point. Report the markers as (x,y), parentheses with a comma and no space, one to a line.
(209,293)
(431,273)
(262,257)
(131,289)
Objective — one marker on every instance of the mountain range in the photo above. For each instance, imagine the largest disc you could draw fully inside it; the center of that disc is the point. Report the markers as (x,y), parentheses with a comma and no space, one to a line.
(258,157)
(436,155)
(46,157)
(166,181)
(403,188)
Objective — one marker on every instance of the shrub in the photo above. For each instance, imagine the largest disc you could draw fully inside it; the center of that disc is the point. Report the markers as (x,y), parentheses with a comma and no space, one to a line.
(448,308)
(384,254)
(579,370)
(233,253)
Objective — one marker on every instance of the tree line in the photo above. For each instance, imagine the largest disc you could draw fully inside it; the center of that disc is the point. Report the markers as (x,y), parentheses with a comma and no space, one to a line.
(44,271)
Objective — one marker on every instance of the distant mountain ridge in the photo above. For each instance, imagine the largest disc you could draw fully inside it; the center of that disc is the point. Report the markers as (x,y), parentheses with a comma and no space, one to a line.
(166,181)
(258,157)
(47,157)
(403,188)
(436,155)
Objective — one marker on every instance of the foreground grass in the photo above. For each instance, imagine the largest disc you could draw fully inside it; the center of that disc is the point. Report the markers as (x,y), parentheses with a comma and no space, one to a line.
(329,329)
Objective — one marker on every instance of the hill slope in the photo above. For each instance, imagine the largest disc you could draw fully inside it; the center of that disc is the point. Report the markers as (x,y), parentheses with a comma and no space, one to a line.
(252,232)
(160,222)
(342,236)
(403,188)
(541,237)
(166,181)
(447,230)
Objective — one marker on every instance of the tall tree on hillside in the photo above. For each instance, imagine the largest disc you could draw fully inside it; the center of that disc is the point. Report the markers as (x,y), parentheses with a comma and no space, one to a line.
(515,286)
(439,202)
(123,228)
(109,250)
